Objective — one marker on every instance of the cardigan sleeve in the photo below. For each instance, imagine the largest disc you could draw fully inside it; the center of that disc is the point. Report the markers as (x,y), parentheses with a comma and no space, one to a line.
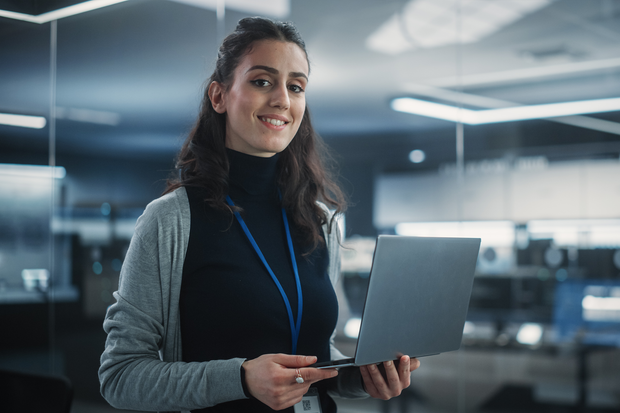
(133,373)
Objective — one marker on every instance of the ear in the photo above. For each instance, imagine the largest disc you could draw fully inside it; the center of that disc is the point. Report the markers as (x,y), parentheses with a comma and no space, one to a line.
(216,94)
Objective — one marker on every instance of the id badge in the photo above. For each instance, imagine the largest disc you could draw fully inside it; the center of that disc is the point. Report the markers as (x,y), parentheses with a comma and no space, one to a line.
(310,403)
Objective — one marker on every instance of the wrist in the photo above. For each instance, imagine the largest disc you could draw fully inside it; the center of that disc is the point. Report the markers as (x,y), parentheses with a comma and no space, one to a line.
(244,384)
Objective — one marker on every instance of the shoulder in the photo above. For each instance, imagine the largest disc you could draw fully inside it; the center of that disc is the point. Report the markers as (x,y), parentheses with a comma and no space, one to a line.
(326,210)
(331,231)
(331,228)
(167,213)
(169,203)
(331,225)
(167,206)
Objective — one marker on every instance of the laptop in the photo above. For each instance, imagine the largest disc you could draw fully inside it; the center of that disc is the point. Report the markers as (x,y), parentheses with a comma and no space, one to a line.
(417,299)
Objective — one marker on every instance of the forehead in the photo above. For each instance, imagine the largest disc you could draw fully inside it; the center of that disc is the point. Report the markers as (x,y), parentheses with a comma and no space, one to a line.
(284,56)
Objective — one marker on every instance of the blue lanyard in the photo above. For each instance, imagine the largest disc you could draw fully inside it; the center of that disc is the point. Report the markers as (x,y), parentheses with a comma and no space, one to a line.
(294,326)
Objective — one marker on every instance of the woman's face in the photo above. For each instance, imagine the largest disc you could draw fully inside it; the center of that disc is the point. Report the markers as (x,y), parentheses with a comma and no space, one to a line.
(266,100)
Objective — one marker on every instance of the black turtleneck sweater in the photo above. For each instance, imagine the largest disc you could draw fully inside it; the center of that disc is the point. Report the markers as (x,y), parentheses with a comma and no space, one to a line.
(230,307)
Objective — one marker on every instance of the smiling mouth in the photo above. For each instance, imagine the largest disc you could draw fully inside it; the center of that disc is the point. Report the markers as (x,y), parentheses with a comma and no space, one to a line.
(274,122)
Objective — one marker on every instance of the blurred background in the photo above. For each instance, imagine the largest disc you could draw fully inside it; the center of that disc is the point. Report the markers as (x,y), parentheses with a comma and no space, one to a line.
(498,119)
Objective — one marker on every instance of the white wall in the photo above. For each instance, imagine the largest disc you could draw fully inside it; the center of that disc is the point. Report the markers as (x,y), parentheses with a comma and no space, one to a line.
(496,190)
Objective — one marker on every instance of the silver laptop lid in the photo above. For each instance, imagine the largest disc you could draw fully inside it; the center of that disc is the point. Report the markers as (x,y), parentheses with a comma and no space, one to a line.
(417,299)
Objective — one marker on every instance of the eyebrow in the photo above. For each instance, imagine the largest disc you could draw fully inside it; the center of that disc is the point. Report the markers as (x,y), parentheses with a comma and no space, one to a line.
(276,72)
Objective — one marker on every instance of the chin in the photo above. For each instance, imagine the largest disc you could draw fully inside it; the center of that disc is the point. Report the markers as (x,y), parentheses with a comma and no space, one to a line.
(276,148)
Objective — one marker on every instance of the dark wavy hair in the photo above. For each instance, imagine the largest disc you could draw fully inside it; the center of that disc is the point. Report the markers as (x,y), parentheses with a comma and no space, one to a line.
(303,177)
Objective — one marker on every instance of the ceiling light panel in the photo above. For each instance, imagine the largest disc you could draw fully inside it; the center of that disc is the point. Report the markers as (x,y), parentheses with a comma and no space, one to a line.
(389,38)
(434,23)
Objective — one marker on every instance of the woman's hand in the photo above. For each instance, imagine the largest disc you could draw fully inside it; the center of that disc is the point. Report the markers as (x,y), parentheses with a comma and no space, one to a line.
(395,380)
(271,378)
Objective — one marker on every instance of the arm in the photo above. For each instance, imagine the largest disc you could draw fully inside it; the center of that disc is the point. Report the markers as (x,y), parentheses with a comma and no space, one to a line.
(133,377)
(143,327)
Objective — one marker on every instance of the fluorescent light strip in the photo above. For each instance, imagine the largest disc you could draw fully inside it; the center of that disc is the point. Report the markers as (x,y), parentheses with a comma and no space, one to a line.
(88,115)
(492,103)
(34,122)
(593,233)
(572,225)
(590,302)
(497,233)
(60,13)
(478,117)
(454,96)
(32,171)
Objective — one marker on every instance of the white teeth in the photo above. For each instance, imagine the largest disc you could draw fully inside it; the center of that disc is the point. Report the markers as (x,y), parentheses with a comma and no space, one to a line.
(274,122)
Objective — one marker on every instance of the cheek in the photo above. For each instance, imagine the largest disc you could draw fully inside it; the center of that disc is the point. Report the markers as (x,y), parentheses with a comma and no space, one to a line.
(300,108)
(240,105)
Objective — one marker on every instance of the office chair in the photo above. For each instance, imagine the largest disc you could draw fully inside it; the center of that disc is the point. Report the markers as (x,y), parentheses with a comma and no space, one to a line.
(27,392)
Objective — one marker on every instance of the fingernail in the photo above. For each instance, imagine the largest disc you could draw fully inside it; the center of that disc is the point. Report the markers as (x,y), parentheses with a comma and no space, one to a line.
(334,373)
(407,359)
(389,363)
(372,367)
(311,359)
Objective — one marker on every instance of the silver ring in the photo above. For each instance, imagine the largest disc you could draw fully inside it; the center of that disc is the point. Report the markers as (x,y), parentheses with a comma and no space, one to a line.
(298,377)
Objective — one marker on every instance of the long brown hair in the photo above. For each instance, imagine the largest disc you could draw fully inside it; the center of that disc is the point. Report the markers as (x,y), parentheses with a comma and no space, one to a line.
(303,176)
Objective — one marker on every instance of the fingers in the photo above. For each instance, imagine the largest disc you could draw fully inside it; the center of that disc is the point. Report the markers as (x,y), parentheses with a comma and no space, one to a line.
(392,376)
(392,382)
(291,391)
(369,384)
(291,361)
(404,371)
(414,364)
(312,375)
(389,386)
(375,384)
(271,378)
(283,397)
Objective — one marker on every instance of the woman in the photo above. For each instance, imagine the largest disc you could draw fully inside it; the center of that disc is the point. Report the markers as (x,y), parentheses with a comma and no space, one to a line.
(226,293)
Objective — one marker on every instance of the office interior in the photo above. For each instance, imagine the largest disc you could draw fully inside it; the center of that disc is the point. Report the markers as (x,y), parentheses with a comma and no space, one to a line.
(494,119)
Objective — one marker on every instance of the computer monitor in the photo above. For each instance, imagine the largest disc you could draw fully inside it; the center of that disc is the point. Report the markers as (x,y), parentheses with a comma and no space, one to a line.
(587,311)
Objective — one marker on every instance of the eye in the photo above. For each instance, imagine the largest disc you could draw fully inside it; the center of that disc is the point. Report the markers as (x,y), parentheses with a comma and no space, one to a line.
(260,82)
(296,88)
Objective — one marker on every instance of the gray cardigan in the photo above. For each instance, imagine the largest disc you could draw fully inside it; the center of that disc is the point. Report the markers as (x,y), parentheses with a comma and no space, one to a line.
(141,366)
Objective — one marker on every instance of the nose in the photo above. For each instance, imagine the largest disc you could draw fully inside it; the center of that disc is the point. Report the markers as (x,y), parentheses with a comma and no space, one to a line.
(280,98)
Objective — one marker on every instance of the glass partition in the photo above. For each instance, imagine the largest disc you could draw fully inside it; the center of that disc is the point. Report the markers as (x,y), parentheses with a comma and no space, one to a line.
(30,254)
(537,159)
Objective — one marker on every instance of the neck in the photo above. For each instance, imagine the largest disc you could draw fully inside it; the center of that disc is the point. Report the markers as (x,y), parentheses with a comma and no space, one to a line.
(252,174)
